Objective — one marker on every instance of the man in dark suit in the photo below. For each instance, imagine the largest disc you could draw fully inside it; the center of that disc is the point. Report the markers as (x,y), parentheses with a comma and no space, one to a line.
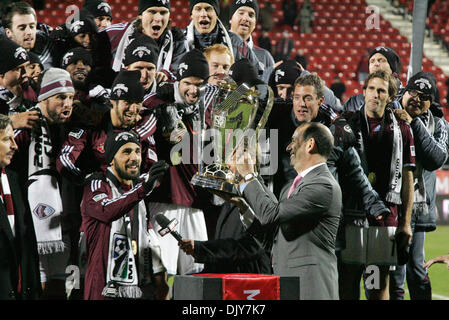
(19,264)
(302,226)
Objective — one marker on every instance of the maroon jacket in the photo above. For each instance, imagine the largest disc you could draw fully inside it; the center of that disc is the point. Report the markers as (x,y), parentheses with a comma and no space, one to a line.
(83,151)
(98,211)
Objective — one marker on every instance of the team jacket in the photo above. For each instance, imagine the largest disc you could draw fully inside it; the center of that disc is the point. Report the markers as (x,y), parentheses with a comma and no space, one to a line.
(98,210)
(83,151)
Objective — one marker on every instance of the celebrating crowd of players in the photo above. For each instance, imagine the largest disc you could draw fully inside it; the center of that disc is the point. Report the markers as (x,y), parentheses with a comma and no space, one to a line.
(91,112)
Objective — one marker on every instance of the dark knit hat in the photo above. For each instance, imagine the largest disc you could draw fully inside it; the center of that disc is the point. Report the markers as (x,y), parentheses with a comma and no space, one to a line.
(143,48)
(145,4)
(243,71)
(34,58)
(74,55)
(12,55)
(244,3)
(127,86)
(213,3)
(98,8)
(193,64)
(85,24)
(424,82)
(116,140)
(286,73)
(392,57)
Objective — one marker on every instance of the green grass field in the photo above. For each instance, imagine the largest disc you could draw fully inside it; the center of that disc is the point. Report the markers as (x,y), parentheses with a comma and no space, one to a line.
(437,244)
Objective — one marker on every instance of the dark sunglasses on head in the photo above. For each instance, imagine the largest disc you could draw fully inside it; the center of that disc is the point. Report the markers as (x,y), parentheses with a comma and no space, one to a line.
(422,96)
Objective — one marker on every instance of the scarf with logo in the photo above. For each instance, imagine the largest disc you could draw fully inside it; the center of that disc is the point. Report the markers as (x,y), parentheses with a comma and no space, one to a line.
(43,191)
(130,257)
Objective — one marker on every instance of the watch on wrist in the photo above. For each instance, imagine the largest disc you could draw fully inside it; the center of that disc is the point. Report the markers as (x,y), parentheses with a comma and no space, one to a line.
(249,176)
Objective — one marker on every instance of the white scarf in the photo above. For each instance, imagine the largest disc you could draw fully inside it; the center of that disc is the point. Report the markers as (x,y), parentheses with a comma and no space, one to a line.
(394,190)
(43,192)
(419,201)
(7,193)
(221,29)
(165,53)
(123,276)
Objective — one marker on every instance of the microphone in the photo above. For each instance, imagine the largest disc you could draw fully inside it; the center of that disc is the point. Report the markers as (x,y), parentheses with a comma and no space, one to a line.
(168,226)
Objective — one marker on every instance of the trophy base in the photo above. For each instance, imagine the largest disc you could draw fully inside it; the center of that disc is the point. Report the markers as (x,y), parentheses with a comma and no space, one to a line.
(213,183)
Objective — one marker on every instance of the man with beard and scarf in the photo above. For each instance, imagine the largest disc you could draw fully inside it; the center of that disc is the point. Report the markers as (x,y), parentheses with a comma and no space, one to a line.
(14,84)
(206,29)
(123,254)
(91,100)
(35,163)
(244,15)
(153,21)
(386,148)
(431,142)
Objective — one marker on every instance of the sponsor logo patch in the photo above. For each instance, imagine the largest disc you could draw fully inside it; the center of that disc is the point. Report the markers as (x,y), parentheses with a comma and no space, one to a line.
(100,196)
(76,134)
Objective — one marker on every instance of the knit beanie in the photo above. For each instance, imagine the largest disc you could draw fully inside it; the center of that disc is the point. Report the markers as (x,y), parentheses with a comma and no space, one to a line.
(12,55)
(244,3)
(213,3)
(286,73)
(116,140)
(243,71)
(74,55)
(193,64)
(143,48)
(85,24)
(34,58)
(55,81)
(392,57)
(98,8)
(424,82)
(127,86)
(145,4)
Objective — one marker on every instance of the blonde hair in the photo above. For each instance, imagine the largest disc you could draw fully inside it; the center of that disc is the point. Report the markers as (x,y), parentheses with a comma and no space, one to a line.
(218,48)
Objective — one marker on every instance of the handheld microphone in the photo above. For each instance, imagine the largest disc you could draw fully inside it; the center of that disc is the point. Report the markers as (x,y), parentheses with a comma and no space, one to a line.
(167,226)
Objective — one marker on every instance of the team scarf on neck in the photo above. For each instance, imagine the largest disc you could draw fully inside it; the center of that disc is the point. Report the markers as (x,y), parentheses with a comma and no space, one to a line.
(6,198)
(221,31)
(129,258)
(165,52)
(419,201)
(43,191)
(395,184)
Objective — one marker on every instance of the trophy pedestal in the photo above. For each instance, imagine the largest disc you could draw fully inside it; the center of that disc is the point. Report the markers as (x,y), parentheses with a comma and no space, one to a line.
(215,177)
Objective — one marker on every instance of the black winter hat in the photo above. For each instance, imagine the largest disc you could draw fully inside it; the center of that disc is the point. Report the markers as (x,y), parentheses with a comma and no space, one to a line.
(213,3)
(12,55)
(286,73)
(244,3)
(127,86)
(74,55)
(85,24)
(392,57)
(143,48)
(98,8)
(145,4)
(193,64)
(116,140)
(244,71)
(424,82)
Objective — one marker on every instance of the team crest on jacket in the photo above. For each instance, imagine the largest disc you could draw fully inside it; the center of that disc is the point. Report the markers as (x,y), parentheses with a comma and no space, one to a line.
(43,211)
(100,148)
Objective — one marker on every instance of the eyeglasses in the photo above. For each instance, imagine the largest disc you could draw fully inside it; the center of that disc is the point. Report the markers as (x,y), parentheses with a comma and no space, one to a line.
(422,96)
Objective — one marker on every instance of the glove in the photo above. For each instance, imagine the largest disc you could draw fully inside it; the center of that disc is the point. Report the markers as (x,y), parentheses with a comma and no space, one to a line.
(155,175)
(166,92)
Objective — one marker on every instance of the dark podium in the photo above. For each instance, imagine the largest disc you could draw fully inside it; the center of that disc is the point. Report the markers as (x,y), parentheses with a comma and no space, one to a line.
(234,286)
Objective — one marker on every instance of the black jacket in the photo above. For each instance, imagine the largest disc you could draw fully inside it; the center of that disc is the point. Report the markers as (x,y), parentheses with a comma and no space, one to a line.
(233,249)
(20,250)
